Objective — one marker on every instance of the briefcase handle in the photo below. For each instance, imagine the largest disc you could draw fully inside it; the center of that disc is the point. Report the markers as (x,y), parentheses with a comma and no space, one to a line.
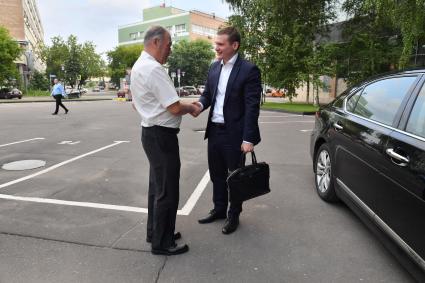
(243,159)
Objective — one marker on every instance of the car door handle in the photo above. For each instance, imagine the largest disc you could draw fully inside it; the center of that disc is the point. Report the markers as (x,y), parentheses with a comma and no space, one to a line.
(395,155)
(338,126)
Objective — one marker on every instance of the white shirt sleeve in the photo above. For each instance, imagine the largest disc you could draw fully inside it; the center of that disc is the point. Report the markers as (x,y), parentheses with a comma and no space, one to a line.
(163,88)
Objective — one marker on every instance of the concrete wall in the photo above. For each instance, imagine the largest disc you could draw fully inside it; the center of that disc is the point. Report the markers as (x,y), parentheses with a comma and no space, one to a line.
(333,88)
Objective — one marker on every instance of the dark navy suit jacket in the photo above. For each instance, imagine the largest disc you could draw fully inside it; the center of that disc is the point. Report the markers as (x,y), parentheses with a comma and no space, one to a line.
(241,103)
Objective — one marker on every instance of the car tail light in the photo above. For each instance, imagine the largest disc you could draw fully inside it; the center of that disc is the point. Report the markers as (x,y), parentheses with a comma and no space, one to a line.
(317,114)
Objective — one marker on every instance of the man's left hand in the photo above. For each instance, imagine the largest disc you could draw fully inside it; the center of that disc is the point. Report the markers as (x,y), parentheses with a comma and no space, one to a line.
(247,147)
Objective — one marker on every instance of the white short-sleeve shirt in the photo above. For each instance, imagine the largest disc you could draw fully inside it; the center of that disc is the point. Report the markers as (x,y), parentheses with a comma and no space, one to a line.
(153,91)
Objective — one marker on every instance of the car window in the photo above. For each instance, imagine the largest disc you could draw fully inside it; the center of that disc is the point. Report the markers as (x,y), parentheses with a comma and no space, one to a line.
(416,123)
(381,100)
(352,101)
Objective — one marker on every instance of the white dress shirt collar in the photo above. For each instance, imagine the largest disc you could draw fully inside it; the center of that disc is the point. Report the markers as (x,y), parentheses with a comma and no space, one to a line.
(231,61)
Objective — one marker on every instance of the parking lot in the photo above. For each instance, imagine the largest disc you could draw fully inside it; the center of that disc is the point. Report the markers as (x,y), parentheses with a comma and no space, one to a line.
(82,217)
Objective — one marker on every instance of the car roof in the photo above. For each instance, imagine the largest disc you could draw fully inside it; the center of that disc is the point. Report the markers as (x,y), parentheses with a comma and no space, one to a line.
(417,70)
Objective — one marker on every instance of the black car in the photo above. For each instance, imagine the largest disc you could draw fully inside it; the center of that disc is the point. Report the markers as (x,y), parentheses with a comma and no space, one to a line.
(10,93)
(368,150)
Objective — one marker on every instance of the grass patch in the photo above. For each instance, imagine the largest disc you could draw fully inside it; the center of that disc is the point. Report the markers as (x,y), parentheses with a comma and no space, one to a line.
(290,107)
(37,93)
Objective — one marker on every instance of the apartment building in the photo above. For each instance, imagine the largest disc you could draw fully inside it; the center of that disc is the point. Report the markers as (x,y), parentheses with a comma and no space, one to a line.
(22,19)
(181,24)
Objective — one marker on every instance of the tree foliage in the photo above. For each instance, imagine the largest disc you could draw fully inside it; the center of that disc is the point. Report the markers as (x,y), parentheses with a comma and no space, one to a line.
(193,58)
(286,39)
(72,61)
(278,35)
(9,52)
(39,81)
(122,58)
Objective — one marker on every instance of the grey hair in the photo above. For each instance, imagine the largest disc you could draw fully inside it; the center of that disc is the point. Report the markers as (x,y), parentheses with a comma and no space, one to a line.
(154,32)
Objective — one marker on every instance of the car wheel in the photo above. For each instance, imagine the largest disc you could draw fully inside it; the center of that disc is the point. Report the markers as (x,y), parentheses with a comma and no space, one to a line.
(323,178)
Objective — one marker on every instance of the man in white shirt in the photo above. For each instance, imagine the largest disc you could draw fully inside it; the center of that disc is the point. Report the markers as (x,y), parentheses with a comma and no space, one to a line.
(233,93)
(159,106)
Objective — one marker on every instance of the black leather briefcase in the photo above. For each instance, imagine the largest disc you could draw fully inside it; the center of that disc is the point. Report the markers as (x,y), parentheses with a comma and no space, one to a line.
(249,181)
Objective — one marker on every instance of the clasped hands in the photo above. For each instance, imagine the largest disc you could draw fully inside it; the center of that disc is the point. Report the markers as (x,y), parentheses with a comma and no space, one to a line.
(196,109)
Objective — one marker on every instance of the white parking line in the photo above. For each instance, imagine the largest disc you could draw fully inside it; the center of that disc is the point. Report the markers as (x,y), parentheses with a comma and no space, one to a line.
(304,131)
(193,199)
(76,203)
(59,165)
(2,145)
(186,210)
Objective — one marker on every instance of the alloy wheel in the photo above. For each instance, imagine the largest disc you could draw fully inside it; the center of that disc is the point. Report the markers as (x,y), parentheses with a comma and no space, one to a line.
(323,171)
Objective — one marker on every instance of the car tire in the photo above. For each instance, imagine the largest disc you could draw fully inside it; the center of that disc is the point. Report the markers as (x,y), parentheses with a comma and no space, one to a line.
(323,174)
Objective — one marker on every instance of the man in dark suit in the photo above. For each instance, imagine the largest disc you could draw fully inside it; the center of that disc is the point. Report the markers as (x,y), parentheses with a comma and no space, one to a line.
(233,93)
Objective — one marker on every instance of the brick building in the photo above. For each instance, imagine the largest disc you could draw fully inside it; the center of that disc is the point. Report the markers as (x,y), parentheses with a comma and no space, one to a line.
(22,19)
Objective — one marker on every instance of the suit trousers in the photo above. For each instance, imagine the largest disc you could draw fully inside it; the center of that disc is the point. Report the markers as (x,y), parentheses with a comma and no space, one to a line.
(58,98)
(162,150)
(223,157)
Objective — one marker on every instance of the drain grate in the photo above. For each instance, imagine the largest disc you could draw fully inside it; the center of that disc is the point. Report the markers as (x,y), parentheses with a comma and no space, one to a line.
(23,165)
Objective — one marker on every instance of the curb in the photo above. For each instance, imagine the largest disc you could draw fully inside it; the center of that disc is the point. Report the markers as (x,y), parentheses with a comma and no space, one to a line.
(31,101)
(289,112)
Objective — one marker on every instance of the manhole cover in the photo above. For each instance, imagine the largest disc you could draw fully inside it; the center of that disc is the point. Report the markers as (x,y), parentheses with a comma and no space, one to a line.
(23,165)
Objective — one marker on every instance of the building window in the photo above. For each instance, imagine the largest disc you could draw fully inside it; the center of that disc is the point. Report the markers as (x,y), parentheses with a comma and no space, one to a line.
(133,35)
(180,29)
(206,31)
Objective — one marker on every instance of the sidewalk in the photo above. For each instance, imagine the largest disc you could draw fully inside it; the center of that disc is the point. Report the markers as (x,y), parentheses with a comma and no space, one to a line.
(30,99)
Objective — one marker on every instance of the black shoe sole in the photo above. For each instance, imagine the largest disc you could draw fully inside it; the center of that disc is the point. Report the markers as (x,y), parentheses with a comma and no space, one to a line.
(182,250)
(203,221)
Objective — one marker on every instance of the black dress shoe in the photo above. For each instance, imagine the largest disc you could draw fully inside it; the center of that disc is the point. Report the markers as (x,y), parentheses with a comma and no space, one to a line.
(231,225)
(212,216)
(174,250)
(66,111)
(177,236)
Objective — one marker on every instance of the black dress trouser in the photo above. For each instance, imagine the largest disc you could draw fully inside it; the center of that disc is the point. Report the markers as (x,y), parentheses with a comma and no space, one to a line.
(162,150)
(223,157)
(58,98)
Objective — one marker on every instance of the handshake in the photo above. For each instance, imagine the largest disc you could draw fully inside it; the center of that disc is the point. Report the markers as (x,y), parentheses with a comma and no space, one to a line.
(196,108)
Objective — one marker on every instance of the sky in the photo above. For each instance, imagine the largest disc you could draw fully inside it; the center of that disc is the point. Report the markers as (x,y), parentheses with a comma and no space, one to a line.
(98,20)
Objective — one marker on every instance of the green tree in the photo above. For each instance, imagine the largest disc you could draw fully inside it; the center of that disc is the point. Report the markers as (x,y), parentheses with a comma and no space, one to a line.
(409,17)
(72,61)
(121,58)
(279,36)
(55,56)
(193,58)
(9,52)
(369,45)
(92,64)
(39,81)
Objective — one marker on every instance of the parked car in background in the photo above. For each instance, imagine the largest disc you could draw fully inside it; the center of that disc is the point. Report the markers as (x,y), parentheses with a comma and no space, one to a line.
(121,93)
(191,90)
(73,93)
(368,150)
(7,93)
(181,91)
(96,89)
(278,93)
(201,89)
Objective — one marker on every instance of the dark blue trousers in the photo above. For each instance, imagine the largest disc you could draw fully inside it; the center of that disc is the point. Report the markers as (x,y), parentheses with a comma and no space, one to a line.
(223,157)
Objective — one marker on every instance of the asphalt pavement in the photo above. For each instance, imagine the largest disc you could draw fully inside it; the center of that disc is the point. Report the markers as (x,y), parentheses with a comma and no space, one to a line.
(82,217)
